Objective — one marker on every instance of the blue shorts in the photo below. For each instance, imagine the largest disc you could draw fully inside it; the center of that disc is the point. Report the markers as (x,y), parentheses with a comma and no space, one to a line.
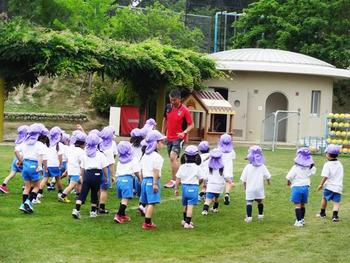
(190,194)
(147,194)
(211,195)
(299,194)
(52,172)
(137,186)
(124,186)
(14,167)
(74,178)
(330,195)
(29,172)
(106,184)
(63,167)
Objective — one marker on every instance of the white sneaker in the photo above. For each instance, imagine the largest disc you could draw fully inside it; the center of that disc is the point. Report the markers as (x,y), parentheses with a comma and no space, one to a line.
(298,223)
(215,210)
(59,195)
(205,212)
(142,209)
(248,220)
(39,196)
(76,213)
(93,214)
(183,222)
(303,221)
(36,201)
(188,226)
(260,217)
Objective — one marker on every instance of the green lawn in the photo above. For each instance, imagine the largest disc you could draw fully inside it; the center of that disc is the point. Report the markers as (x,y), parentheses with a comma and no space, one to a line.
(52,235)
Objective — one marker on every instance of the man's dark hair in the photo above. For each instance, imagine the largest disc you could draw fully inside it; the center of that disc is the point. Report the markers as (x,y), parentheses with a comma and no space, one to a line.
(175,94)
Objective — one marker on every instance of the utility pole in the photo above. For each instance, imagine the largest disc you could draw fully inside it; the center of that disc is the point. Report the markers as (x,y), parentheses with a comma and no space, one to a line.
(186,11)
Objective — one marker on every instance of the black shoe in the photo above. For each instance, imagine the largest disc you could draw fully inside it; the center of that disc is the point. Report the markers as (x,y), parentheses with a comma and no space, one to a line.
(226,200)
(103,211)
(335,219)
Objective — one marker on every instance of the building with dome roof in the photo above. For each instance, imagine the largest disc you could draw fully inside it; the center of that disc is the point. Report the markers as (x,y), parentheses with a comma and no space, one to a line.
(262,81)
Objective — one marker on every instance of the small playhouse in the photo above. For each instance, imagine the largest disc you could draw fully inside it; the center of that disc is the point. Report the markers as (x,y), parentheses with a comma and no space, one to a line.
(212,115)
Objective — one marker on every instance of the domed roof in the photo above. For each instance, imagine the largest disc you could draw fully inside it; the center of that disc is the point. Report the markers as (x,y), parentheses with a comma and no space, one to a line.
(274,60)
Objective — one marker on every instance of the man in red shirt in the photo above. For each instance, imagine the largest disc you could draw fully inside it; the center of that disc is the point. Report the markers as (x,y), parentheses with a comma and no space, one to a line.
(177,122)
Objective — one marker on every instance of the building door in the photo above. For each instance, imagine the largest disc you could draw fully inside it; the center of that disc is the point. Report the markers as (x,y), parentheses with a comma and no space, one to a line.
(274,102)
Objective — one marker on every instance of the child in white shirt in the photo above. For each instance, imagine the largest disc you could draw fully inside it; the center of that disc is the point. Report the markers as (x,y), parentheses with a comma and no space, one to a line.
(204,149)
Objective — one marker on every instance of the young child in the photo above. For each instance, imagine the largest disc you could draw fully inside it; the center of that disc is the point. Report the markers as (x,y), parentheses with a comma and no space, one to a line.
(190,176)
(253,176)
(151,169)
(228,155)
(127,167)
(30,153)
(74,154)
(92,164)
(21,135)
(332,182)
(203,148)
(299,180)
(215,181)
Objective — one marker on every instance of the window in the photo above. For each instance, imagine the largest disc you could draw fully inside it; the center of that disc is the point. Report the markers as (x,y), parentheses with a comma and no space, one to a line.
(315,102)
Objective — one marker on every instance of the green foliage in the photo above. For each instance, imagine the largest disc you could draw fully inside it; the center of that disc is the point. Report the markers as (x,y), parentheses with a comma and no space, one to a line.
(125,95)
(102,99)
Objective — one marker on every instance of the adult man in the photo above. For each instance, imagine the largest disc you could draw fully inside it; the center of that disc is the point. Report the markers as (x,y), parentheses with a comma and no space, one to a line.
(177,122)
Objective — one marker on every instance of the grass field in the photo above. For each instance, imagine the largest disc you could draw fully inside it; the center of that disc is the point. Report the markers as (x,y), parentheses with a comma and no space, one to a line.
(51,235)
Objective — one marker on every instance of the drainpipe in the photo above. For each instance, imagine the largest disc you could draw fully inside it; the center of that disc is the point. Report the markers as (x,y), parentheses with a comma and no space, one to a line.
(2,103)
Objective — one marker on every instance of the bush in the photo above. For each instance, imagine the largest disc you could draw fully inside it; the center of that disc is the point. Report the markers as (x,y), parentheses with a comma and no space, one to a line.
(102,99)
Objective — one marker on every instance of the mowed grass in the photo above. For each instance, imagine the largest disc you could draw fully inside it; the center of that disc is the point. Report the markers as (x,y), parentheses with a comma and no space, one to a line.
(52,235)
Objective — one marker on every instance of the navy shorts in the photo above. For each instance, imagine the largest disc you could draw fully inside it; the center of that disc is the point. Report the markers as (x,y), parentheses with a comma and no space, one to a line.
(14,167)
(124,186)
(189,194)
(29,172)
(105,184)
(52,172)
(175,146)
(299,194)
(211,195)
(330,195)
(147,194)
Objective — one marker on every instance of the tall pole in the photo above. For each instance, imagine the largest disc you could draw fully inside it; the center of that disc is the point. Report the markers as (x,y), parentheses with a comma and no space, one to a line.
(2,103)
(186,11)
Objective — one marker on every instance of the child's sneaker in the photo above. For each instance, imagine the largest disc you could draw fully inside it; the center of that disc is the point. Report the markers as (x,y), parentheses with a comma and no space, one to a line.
(303,221)
(319,215)
(118,219)
(142,210)
(64,200)
(298,223)
(126,218)
(36,201)
(260,217)
(188,226)
(227,199)
(215,210)
(4,189)
(248,220)
(39,196)
(103,211)
(149,226)
(51,187)
(205,212)
(23,209)
(93,214)
(335,219)
(76,213)
(28,206)
(183,222)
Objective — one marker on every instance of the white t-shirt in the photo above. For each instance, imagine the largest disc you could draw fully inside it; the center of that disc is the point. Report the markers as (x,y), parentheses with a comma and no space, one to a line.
(74,155)
(215,181)
(97,162)
(189,173)
(300,176)
(227,159)
(137,152)
(254,177)
(64,156)
(334,172)
(204,164)
(129,168)
(110,153)
(52,155)
(149,162)
(33,151)
(16,147)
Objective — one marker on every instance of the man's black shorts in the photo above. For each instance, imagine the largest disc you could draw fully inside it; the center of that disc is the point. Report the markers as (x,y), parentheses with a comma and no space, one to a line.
(175,146)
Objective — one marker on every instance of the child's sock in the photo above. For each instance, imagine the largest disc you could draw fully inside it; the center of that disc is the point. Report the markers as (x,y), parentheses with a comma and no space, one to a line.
(188,220)
(102,206)
(148,220)
(323,212)
(298,213)
(249,210)
(63,195)
(335,214)
(205,208)
(184,216)
(261,209)
(201,194)
(302,212)
(24,197)
(121,210)
(93,208)
(77,206)
(60,191)
(40,191)
(216,205)
(3,184)
(32,196)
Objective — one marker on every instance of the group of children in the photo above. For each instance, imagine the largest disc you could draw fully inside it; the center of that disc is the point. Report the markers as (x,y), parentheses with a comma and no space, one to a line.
(89,162)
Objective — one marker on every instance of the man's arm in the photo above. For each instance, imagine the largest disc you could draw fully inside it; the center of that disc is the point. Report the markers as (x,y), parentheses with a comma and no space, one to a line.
(164,124)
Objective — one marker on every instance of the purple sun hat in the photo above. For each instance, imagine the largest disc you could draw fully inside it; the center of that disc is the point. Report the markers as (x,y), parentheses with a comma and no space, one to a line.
(255,156)
(152,138)
(125,152)
(107,137)
(33,133)
(94,131)
(21,133)
(333,149)
(143,143)
(225,143)
(191,150)
(150,123)
(55,135)
(203,146)
(136,133)
(303,157)
(215,160)
(45,132)
(92,142)
(65,137)
(78,135)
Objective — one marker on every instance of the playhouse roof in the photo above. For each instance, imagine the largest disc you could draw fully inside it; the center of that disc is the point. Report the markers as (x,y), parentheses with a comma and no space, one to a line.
(213,102)
(274,60)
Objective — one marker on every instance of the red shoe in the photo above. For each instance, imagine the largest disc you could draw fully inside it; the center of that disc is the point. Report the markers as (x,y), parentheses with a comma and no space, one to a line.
(170,184)
(149,226)
(4,189)
(126,218)
(118,219)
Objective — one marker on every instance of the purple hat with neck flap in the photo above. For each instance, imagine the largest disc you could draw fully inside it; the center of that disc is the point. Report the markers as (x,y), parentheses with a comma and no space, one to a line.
(255,156)
(135,133)
(34,132)
(21,133)
(203,146)
(191,150)
(55,135)
(333,149)
(78,135)
(215,159)
(151,140)
(303,157)
(225,143)
(107,137)
(125,152)
(92,142)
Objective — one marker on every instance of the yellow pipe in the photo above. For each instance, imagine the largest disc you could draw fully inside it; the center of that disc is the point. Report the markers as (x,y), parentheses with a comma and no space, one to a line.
(2,103)
(160,108)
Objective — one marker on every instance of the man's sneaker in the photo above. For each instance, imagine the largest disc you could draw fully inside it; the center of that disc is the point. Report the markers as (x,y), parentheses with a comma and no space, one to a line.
(248,220)
(142,210)
(170,184)
(103,211)
(188,226)
(23,209)
(126,218)
(36,201)
(118,219)
(303,221)
(215,210)
(335,219)
(260,217)
(298,223)
(149,226)
(76,213)
(28,206)
(4,189)
(93,214)
(321,215)
(227,199)
(205,212)
(64,200)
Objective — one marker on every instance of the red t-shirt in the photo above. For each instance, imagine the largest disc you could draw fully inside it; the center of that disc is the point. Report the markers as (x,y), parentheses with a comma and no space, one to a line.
(176,117)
